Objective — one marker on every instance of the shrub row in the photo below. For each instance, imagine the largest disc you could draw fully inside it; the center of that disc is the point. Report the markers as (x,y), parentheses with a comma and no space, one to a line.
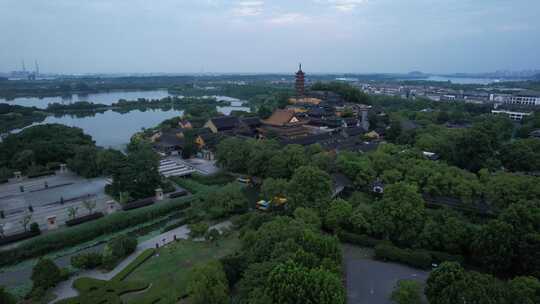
(3,181)
(143,257)
(178,194)
(416,258)
(84,219)
(19,237)
(40,174)
(357,239)
(70,237)
(138,204)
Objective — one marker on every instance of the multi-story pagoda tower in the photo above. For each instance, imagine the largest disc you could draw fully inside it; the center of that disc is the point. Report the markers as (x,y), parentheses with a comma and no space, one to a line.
(300,82)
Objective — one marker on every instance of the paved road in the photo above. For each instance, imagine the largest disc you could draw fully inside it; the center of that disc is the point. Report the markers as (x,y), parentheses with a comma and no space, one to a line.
(65,290)
(45,201)
(372,282)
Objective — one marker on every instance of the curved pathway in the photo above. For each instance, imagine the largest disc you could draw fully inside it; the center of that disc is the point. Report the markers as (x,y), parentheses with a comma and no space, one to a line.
(65,289)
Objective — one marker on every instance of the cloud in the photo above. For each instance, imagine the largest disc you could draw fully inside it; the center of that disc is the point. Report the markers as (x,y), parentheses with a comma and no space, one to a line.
(248,8)
(289,18)
(346,5)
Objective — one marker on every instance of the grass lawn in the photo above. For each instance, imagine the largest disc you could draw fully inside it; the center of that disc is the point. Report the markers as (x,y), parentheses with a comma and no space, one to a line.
(167,272)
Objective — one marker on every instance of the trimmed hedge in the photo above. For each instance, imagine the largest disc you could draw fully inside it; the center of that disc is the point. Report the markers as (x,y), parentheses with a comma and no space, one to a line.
(143,257)
(357,239)
(178,194)
(40,174)
(4,181)
(18,237)
(70,237)
(138,204)
(84,219)
(416,258)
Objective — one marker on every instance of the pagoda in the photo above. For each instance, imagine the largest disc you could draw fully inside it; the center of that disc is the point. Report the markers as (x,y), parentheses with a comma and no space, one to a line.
(300,81)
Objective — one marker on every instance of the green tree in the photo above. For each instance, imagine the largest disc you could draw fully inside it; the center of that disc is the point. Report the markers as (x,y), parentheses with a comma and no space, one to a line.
(524,290)
(224,201)
(285,163)
(361,218)
(445,275)
(274,187)
(118,248)
(290,283)
(208,284)
(233,154)
(139,176)
(6,297)
(261,152)
(45,274)
(310,187)
(447,231)
(109,161)
(84,162)
(308,216)
(24,159)
(338,215)
(323,161)
(89,205)
(407,292)
(212,235)
(198,229)
(521,155)
(400,214)
(493,246)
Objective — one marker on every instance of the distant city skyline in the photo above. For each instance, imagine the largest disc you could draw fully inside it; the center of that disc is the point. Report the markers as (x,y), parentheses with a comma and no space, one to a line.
(256,36)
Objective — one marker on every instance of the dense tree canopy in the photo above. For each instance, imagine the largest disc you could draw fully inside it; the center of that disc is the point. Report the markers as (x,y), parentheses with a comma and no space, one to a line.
(41,145)
(208,284)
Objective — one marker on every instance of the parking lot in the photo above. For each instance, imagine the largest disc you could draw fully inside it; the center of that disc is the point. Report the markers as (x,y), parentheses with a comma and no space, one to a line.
(48,196)
(372,282)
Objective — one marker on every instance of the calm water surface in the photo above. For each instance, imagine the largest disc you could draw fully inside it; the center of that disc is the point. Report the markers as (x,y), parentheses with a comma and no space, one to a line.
(107,98)
(462,80)
(114,130)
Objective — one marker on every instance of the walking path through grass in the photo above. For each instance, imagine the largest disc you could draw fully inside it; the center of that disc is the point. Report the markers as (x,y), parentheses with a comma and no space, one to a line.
(65,289)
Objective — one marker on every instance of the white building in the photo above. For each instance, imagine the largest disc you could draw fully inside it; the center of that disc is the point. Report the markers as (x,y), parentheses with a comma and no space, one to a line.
(514,115)
(519,99)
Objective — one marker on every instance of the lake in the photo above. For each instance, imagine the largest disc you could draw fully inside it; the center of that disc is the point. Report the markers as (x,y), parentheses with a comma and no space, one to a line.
(107,98)
(113,129)
(462,80)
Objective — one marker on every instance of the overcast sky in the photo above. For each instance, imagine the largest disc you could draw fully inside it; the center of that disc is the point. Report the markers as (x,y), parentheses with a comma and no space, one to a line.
(187,36)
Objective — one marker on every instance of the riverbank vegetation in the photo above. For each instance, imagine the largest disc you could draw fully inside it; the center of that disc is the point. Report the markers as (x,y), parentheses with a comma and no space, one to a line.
(16,117)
